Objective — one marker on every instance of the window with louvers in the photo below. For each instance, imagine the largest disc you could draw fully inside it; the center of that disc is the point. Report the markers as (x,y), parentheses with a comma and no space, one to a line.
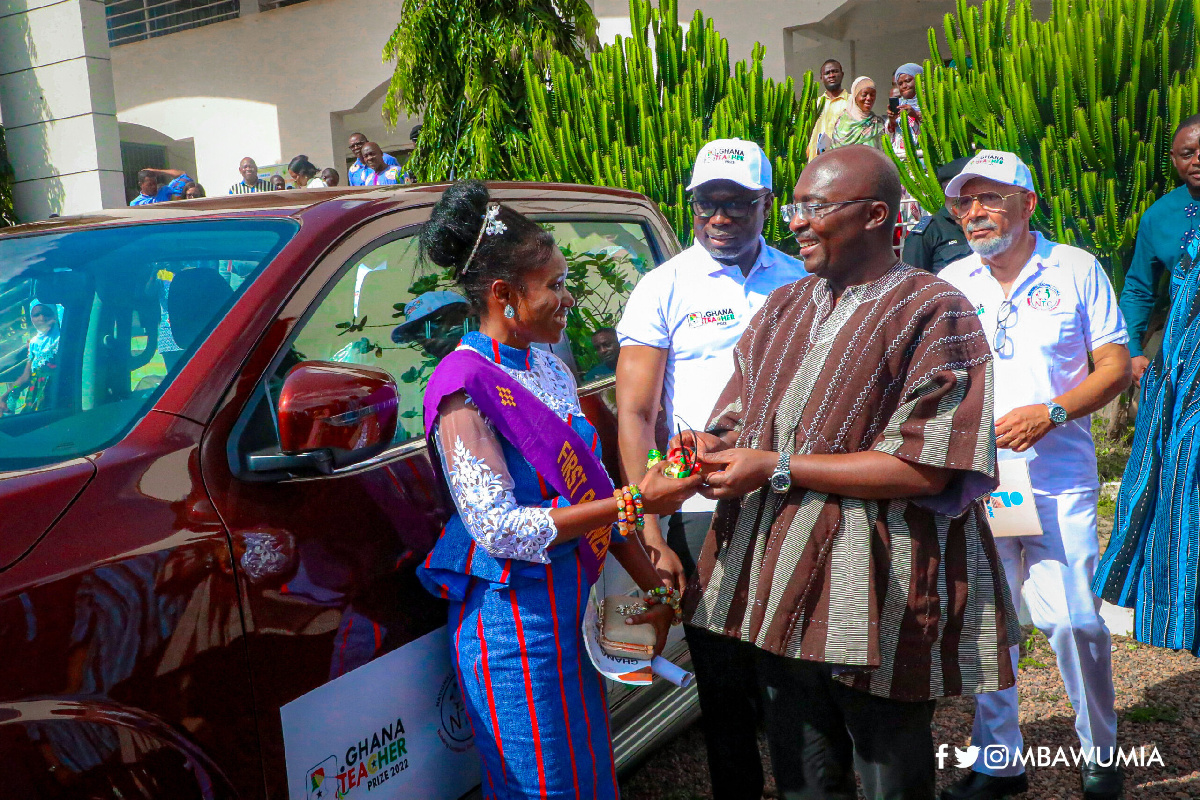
(134,20)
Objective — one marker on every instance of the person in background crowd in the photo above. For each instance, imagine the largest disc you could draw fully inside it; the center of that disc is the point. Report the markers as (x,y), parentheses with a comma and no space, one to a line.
(29,390)
(1153,558)
(1164,233)
(250,181)
(192,191)
(303,173)
(676,336)
(857,124)
(330,176)
(517,558)
(378,172)
(910,106)
(1058,344)
(849,551)
(356,172)
(609,350)
(938,239)
(836,99)
(278,183)
(159,185)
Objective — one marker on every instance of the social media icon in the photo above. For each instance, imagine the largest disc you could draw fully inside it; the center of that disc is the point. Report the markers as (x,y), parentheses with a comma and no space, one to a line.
(965,757)
(995,756)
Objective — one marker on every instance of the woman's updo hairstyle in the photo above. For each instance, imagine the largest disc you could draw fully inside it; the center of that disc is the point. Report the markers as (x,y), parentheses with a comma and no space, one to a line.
(453,228)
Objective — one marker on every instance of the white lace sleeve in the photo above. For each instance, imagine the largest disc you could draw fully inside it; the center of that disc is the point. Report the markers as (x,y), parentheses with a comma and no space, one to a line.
(482,488)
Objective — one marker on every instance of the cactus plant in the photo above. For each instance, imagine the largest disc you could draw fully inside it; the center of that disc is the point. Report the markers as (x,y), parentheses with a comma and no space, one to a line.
(1088,98)
(636,115)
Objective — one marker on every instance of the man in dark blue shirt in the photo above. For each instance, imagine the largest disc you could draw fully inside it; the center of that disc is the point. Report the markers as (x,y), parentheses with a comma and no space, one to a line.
(1164,231)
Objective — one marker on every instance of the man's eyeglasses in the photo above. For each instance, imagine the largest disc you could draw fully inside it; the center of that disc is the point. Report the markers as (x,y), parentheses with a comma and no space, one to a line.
(1006,317)
(734,209)
(817,210)
(990,201)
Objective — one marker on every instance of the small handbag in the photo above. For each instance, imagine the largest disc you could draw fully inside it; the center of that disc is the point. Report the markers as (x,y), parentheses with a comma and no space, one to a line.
(625,641)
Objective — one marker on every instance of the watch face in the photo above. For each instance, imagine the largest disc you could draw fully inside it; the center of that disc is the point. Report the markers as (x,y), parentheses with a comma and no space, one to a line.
(1058,414)
(780,482)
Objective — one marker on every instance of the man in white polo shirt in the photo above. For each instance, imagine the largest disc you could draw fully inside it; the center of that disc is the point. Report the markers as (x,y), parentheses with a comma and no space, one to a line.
(677,337)
(1046,308)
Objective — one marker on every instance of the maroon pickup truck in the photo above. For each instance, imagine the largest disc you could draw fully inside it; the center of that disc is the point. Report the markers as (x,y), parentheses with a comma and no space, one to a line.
(200,597)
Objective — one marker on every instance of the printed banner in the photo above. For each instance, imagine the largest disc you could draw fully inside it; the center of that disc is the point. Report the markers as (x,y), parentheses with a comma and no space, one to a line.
(393,728)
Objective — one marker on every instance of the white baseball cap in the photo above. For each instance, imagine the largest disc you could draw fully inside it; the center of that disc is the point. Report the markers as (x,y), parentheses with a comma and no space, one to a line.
(736,160)
(998,165)
(421,307)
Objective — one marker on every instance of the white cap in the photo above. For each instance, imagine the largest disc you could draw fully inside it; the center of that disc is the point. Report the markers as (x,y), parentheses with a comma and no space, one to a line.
(735,160)
(997,165)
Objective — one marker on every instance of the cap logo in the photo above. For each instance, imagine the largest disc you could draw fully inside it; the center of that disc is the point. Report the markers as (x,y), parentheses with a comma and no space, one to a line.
(990,159)
(724,154)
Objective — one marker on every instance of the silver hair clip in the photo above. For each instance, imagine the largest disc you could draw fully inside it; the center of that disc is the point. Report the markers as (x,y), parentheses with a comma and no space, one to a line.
(491,226)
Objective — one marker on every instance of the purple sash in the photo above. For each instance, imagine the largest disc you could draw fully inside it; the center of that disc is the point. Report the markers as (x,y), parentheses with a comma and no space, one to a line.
(552,446)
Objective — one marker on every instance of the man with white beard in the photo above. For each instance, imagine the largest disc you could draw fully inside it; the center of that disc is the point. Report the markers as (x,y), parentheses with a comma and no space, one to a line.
(1046,308)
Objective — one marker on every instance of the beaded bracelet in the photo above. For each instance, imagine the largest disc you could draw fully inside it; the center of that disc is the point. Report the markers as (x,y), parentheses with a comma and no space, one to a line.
(630,514)
(668,596)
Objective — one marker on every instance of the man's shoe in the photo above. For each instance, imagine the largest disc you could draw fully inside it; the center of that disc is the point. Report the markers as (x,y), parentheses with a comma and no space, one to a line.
(1102,783)
(978,786)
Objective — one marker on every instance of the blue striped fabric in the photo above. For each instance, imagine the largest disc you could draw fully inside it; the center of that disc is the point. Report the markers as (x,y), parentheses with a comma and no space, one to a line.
(1153,560)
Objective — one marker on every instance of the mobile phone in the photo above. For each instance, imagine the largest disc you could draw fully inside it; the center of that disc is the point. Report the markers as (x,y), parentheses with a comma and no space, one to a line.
(893,104)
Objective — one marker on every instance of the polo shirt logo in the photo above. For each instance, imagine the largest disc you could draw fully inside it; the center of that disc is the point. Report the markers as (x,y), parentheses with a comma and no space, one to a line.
(1043,297)
(721,316)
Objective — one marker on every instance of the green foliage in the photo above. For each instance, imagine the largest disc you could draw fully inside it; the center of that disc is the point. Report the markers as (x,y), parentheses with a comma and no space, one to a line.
(637,113)
(1088,98)
(600,289)
(7,215)
(1112,449)
(458,64)
(1151,713)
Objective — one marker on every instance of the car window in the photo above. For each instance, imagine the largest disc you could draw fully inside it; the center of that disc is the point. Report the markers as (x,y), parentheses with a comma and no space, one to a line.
(95,323)
(387,310)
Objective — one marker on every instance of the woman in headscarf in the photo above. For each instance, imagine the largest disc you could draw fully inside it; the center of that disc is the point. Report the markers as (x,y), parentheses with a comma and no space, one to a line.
(857,125)
(43,356)
(910,106)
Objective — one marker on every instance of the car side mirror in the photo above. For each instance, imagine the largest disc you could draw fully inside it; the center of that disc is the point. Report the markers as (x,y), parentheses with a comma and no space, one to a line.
(331,415)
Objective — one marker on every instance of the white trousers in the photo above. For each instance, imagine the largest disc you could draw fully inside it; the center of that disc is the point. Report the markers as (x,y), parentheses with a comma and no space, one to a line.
(1055,570)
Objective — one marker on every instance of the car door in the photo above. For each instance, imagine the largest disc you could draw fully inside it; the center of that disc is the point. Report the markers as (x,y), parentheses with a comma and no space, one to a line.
(348,653)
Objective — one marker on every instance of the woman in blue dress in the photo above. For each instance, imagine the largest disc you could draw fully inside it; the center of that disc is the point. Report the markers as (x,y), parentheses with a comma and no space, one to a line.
(1152,563)
(517,559)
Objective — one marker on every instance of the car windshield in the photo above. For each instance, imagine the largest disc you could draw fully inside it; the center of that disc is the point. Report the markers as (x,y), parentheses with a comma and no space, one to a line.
(94,324)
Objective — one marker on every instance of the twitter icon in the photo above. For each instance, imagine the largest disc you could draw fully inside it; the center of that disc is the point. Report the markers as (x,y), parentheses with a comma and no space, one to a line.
(965,757)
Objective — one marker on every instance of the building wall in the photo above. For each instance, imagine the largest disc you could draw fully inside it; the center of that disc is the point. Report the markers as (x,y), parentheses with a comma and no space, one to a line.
(269,85)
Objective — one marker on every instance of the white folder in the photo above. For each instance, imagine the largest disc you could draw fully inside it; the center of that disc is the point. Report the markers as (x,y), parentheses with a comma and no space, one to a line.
(1011,510)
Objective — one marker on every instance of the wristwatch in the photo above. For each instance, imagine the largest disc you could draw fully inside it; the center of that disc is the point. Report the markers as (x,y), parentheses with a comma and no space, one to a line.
(1058,414)
(781,478)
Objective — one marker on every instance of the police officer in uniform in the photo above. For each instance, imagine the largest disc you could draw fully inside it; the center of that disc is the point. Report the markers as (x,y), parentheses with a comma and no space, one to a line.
(937,240)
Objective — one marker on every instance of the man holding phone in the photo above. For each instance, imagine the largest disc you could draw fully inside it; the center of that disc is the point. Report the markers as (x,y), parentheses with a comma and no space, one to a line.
(677,336)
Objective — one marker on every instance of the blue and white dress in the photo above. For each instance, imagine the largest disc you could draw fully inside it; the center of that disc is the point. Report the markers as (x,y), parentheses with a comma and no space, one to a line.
(535,701)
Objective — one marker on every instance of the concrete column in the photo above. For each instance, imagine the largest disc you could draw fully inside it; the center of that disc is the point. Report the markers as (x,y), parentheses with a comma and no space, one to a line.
(58,107)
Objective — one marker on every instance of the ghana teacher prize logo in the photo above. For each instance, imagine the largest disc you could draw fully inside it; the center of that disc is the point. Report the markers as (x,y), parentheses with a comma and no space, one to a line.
(456,731)
(370,762)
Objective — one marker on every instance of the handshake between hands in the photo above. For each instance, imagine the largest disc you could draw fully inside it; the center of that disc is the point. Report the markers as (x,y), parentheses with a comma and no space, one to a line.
(726,471)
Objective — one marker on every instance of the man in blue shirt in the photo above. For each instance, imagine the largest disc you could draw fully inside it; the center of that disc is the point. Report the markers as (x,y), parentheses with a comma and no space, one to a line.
(359,172)
(1165,230)
(377,171)
(158,185)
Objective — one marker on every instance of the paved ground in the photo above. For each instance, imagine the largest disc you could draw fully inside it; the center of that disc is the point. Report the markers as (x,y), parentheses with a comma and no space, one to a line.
(1158,704)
